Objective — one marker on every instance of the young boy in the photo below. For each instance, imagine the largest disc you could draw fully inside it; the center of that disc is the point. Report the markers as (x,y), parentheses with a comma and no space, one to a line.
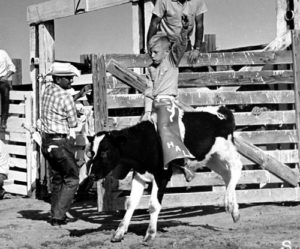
(160,96)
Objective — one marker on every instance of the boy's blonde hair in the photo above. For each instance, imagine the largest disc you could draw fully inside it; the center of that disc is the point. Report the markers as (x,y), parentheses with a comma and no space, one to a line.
(160,38)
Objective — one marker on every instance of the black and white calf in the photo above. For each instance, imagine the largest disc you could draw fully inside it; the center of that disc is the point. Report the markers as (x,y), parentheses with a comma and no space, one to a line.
(207,136)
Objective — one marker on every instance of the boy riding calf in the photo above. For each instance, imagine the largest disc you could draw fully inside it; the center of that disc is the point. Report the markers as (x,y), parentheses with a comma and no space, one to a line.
(160,96)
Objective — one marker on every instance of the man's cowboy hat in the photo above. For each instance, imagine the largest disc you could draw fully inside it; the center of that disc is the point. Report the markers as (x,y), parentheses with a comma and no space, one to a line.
(63,69)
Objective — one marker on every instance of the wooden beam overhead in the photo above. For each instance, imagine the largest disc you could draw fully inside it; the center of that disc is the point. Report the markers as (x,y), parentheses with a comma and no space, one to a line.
(55,9)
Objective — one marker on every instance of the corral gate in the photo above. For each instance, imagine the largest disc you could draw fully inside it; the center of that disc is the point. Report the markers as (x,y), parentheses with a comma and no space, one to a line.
(266,116)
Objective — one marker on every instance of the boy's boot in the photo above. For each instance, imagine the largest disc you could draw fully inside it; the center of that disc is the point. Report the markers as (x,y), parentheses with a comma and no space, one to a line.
(183,165)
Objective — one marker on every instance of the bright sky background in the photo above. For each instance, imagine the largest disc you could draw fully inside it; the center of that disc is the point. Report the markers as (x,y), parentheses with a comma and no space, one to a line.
(236,23)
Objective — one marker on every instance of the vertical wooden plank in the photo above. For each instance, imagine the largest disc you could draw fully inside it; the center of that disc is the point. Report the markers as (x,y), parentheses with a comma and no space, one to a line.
(296,14)
(99,85)
(46,57)
(17,76)
(30,163)
(46,46)
(100,117)
(34,53)
(210,42)
(138,33)
(296,71)
(281,24)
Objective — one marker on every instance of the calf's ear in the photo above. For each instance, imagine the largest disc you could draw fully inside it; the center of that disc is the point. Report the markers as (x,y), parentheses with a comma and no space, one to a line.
(90,138)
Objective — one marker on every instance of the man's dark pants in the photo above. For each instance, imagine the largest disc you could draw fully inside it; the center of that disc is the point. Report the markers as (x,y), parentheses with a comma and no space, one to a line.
(2,191)
(64,174)
(4,91)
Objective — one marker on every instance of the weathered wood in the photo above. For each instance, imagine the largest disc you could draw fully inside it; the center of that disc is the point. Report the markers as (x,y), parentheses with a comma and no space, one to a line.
(269,137)
(224,78)
(16,149)
(266,161)
(127,76)
(281,25)
(216,198)
(266,77)
(241,119)
(16,189)
(209,179)
(210,42)
(138,31)
(296,15)
(99,85)
(17,108)
(212,59)
(55,9)
(17,95)
(46,46)
(199,98)
(296,66)
(267,117)
(17,76)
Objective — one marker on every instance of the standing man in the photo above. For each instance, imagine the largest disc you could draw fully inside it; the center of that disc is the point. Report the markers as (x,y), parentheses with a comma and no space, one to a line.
(58,115)
(7,68)
(166,18)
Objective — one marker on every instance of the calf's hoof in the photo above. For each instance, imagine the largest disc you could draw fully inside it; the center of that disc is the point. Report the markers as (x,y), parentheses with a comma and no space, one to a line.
(116,238)
(235,217)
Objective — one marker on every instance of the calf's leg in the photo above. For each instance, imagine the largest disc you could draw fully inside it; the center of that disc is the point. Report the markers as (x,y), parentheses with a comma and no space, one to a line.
(154,210)
(225,161)
(136,193)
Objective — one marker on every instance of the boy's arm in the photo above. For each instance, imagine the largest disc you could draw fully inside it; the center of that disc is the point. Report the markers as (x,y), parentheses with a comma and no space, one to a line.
(148,99)
(179,46)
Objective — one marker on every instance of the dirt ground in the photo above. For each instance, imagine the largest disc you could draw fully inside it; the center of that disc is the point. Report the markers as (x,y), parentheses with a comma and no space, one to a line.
(23,224)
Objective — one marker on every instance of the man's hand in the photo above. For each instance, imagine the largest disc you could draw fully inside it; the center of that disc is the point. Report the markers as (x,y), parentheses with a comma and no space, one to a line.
(193,56)
(186,24)
(85,90)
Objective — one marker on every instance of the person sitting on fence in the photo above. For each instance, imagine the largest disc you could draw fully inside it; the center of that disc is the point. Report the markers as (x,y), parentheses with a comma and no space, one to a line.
(58,115)
(166,18)
(161,94)
(7,68)
(4,167)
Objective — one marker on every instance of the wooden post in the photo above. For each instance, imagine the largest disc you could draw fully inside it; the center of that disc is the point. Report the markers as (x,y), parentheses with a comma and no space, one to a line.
(101,116)
(281,24)
(17,76)
(210,42)
(296,14)
(46,58)
(137,27)
(46,46)
(99,86)
(296,70)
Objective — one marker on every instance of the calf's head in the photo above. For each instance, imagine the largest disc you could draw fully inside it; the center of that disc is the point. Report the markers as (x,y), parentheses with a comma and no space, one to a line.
(104,153)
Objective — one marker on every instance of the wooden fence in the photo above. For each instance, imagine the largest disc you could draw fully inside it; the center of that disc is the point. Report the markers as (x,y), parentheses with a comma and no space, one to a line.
(265,105)
(22,174)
